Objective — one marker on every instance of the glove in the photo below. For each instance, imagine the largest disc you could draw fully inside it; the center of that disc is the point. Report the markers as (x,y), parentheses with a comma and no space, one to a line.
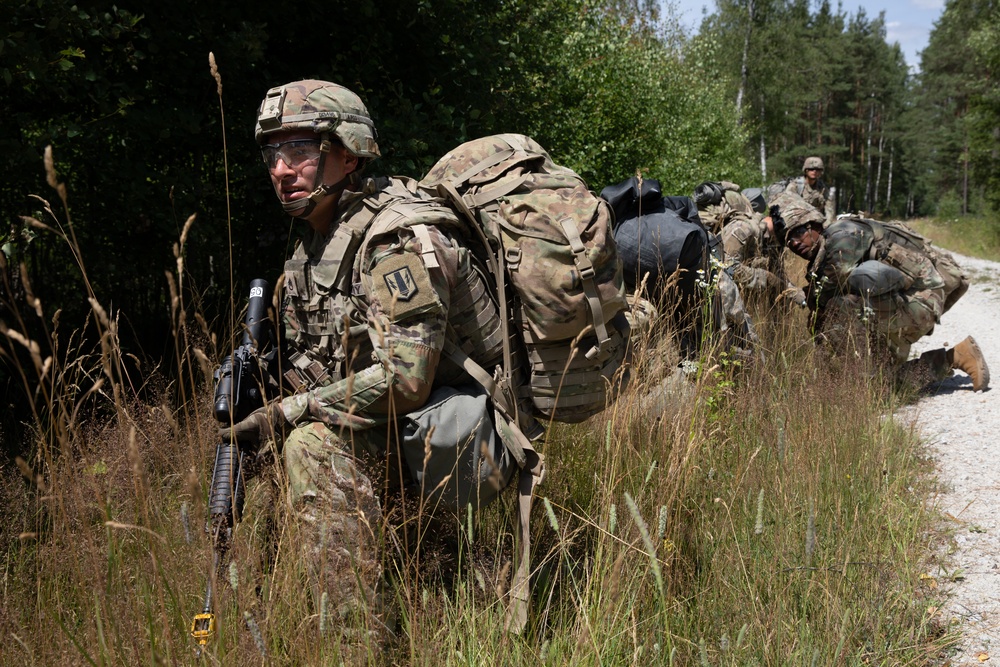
(266,423)
(796,296)
(708,193)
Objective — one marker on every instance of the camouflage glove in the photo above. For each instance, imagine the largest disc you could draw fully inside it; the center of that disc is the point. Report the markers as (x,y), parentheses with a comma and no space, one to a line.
(796,295)
(267,423)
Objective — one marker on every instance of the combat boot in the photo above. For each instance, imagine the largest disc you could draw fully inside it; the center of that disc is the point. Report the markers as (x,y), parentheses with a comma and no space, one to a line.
(966,356)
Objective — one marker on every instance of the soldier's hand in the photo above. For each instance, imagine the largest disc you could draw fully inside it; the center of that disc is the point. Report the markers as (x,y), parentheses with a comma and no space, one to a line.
(260,425)
(796,296)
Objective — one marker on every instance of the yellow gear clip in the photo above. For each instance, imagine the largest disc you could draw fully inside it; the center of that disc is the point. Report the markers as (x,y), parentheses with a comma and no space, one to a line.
(203,627)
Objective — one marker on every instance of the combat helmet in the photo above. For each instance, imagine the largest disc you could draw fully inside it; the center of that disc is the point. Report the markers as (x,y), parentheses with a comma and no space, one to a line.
(795,212)
(326,109)
(812,162)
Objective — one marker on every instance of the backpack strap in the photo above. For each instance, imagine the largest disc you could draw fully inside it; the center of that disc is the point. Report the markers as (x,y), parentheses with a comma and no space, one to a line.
(587,273)
(531,472)
(501,189)
(480,167)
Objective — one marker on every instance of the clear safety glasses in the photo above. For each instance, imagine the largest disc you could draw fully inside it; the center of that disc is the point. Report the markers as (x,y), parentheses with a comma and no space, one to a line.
(294,153)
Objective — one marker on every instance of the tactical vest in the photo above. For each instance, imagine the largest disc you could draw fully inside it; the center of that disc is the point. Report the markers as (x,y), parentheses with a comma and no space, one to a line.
(326,302)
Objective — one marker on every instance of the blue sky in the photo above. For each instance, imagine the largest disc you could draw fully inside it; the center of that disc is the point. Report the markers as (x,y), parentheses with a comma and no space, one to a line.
(908,22)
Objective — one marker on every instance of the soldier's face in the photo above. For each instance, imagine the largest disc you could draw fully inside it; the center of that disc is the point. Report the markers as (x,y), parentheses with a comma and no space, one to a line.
(804,241)
(813,174)
(293,170)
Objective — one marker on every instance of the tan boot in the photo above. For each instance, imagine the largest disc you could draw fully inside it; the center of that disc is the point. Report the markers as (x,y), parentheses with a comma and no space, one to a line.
(966,356)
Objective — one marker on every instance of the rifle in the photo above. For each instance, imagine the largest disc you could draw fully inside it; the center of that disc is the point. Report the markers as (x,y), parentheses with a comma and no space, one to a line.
(238,392)
(778,223)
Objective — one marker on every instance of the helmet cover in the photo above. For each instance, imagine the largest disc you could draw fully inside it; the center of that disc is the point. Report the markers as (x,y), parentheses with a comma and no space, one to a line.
(321,107)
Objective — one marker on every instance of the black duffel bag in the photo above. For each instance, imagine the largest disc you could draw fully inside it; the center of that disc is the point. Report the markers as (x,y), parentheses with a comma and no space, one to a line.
(657,235)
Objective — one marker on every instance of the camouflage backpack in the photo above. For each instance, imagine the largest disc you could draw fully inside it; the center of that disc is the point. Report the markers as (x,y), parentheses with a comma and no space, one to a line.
(776,188)
(892,240)
(555,268)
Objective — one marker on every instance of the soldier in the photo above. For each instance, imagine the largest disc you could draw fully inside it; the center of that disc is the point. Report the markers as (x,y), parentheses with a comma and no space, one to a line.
(810,186)
(887,279)
(753,251)
(719,202)
(379,283)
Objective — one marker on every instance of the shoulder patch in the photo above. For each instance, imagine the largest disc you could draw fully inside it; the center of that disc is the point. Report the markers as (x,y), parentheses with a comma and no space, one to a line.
(402,286)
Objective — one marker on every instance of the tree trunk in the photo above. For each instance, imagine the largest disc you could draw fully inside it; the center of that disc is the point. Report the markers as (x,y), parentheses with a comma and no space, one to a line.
(878,170)
(744,68)
(888,189)
(868,159)
(965,179)
(763,147)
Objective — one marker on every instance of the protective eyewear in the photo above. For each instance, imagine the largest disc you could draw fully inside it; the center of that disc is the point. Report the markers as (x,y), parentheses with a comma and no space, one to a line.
(797,232)
(814,169)
(293,153)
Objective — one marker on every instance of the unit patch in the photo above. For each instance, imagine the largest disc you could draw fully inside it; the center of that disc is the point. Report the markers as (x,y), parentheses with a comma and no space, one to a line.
(402,286)
(400,283)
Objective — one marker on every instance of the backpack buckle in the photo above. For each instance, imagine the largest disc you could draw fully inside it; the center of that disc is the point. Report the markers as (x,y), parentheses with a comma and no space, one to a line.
(512,257)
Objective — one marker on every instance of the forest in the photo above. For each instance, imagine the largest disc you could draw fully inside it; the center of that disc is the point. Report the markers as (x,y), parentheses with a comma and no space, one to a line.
(144,137)
(137,211)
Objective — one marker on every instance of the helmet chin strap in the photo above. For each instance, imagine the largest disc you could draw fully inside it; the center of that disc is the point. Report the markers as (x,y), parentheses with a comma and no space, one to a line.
(320,190)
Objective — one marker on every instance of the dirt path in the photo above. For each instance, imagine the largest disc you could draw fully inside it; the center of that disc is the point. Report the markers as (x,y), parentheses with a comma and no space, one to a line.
(962,429)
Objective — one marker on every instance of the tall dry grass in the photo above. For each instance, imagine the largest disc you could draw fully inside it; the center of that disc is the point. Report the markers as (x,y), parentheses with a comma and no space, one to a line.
(972,235)
(763,513)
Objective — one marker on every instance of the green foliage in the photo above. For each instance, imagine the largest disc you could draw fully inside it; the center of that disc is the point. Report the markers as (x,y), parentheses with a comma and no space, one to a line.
(125,98)
(612,100)
(821,83)
(975,236)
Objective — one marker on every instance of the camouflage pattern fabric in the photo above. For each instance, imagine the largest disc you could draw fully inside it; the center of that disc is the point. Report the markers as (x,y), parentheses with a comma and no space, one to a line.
(381,348)
(758,267)
(891,234)
(735,326)
(795,211)
(734,205)
(367,311)
(819,197)
(339,519)
(560,257)
(532,192)
(318,106)
(895,320)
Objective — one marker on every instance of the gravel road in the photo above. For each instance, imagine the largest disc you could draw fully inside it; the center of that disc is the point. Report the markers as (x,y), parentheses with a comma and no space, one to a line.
(962,430)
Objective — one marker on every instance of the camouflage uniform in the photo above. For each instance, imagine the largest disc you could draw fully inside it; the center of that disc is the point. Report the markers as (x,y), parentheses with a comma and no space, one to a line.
(819,197)
(755,257)
(367,310)
(366,333)
(896,319)
(715,215)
